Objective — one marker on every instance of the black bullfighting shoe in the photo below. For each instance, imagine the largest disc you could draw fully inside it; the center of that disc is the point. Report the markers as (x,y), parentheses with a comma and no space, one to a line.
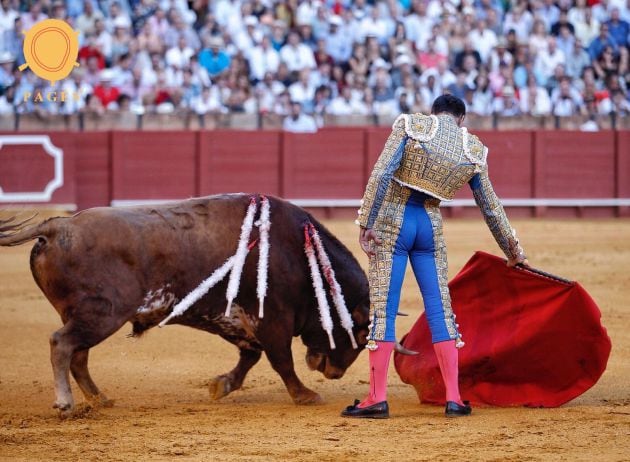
(457,410)
(375,411)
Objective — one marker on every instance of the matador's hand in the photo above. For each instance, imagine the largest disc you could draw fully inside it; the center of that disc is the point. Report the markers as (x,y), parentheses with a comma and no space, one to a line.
(365,236)
(512,262)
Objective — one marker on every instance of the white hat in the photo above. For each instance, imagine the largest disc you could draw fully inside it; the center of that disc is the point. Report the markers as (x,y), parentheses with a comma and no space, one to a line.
(402,59)
(250,21)
(121,22)
(215,42)
(508,91)
(106,75)
(335,20)
(380,63)
(6,57)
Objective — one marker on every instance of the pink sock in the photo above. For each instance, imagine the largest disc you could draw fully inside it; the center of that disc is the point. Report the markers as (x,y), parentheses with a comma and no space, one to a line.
(447,357)
(379,364)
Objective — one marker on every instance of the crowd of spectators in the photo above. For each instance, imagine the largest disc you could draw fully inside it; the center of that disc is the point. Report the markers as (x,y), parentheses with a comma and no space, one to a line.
(304,59)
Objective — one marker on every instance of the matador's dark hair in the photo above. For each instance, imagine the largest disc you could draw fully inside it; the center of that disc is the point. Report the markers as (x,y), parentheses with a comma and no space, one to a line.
(449,104)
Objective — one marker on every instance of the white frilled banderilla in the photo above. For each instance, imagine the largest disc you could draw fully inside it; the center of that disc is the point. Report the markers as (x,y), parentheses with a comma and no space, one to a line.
(315,253)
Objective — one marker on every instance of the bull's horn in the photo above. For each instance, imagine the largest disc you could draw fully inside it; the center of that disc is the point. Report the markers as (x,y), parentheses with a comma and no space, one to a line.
(401,313)
(404,351)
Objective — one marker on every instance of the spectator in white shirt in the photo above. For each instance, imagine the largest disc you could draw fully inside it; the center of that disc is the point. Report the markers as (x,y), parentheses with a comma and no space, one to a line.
(375,26)
(534,99)
(548,60)
(247,39)
(483,39)
(85,22)
(418,24)
(587,29)
(179,56)
(298,122)
(263,59)
(209,101)
(520,21)
(34,15)
(7,16)
(303,91)
(297,55)
(566,100)
(338,41)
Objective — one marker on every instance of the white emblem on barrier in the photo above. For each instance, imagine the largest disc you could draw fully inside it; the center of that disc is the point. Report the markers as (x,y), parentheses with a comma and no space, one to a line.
(50,149)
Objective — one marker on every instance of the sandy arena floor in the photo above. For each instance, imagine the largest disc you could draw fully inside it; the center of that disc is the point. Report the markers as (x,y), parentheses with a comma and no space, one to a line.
(163,411)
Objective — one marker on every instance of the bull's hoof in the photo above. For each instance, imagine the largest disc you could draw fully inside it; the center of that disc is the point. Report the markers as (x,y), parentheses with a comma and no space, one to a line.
(308,397)
(80,411)
(219,387)
(100,401)
(62,407)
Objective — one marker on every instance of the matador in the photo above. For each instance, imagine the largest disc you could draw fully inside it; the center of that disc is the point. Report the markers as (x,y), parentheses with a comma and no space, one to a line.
(426,160)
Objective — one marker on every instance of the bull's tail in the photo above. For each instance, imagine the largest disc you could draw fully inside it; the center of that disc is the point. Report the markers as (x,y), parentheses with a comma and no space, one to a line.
(14,232)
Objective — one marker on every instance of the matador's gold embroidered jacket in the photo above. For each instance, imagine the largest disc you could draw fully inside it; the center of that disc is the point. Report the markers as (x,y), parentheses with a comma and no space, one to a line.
(434,155)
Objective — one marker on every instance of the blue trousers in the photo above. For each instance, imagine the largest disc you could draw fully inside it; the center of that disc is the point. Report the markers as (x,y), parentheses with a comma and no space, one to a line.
(418,239)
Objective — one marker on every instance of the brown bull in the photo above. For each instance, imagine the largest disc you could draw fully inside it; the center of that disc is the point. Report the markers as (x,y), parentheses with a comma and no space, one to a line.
(105,266)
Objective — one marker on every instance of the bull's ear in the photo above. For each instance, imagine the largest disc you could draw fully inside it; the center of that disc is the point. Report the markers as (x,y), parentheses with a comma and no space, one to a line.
(361,314)
(362,337)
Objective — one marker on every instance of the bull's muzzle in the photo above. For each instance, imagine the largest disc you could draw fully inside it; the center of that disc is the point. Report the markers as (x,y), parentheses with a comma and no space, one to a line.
(320,362)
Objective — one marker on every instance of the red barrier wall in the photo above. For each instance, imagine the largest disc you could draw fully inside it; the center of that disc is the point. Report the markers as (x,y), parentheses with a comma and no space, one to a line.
(154,165)
(237,162)
(101,167)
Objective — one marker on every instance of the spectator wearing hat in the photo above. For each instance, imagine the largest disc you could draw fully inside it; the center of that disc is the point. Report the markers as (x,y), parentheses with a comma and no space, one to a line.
(105,91)
(500,54)
(248,38)
(213,58)
(338,41)
(297,55)
(506,103)
(278,34)
(403,67)
(297,121)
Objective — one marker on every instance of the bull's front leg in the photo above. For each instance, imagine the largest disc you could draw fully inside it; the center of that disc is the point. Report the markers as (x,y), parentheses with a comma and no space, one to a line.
(223,385)
(281,359)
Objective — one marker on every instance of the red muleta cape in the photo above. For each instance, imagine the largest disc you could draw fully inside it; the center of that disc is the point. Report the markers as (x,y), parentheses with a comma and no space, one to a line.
(532,339)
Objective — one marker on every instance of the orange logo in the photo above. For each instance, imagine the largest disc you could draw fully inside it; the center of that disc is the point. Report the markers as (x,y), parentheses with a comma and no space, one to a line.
(51,48)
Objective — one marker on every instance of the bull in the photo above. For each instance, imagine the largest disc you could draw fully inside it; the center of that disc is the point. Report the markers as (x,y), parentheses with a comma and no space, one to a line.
(105,266)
